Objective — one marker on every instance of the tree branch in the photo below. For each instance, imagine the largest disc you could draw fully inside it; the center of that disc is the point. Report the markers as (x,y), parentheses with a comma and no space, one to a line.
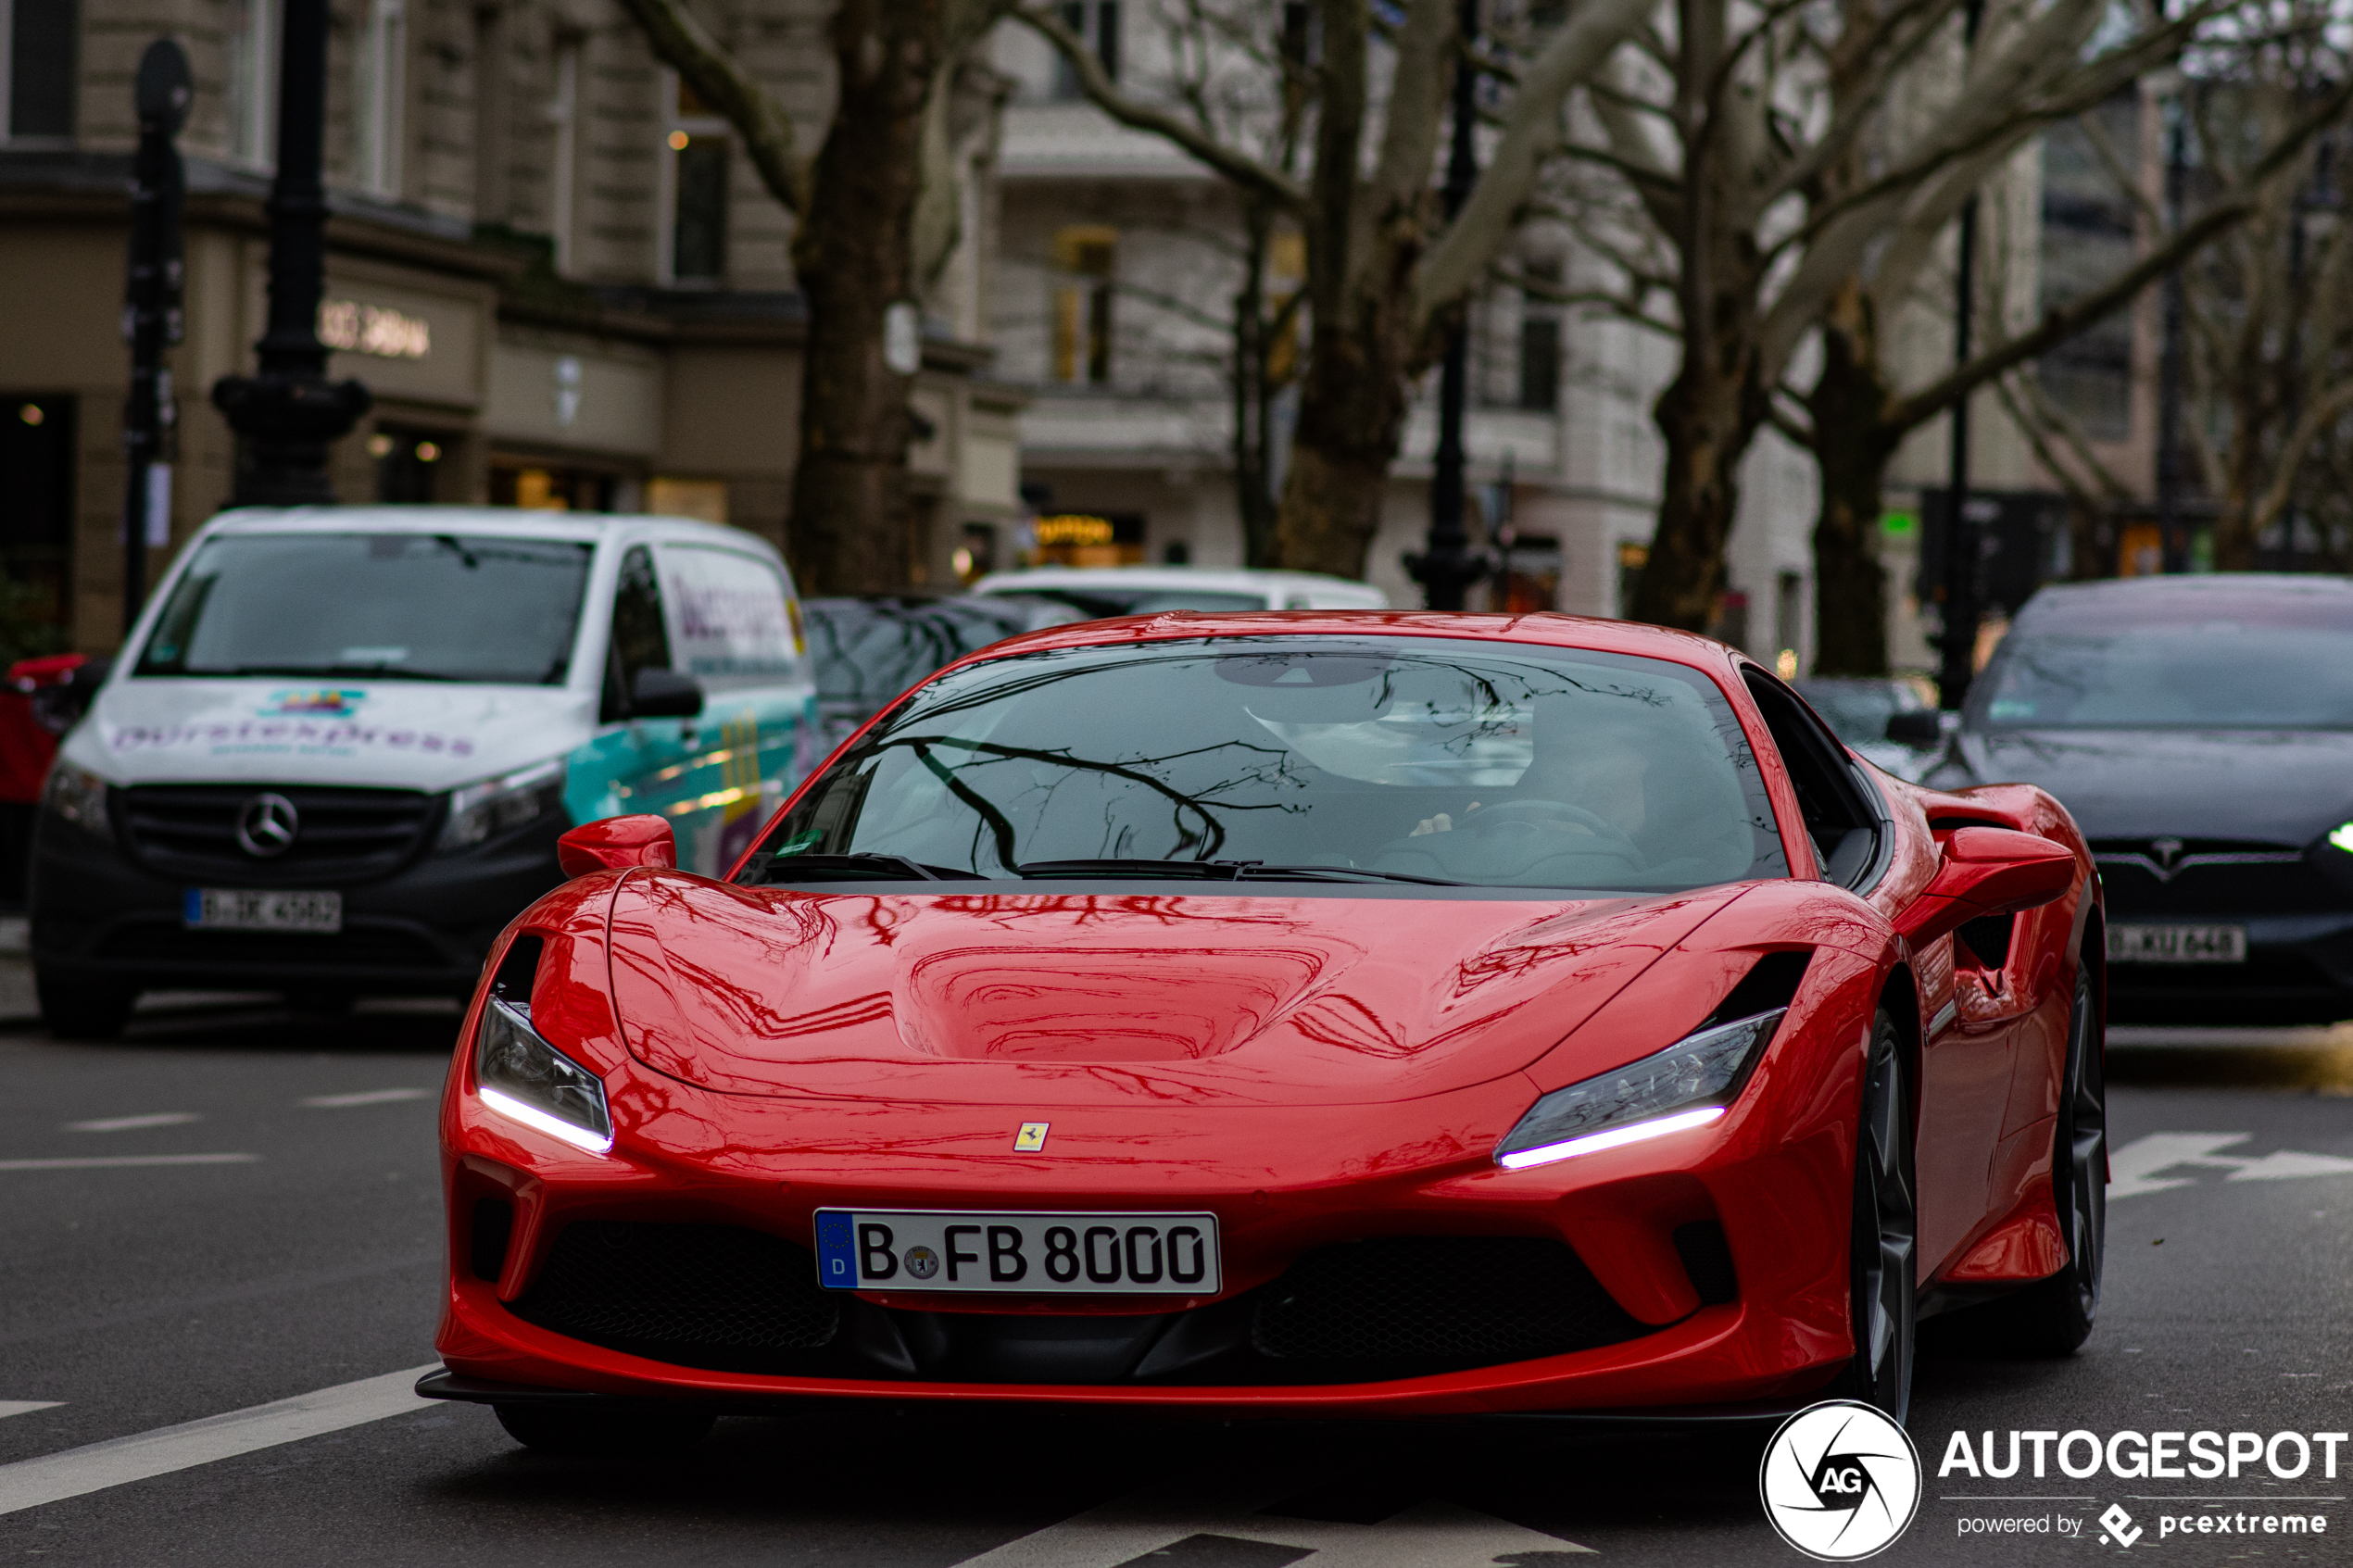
(683,44)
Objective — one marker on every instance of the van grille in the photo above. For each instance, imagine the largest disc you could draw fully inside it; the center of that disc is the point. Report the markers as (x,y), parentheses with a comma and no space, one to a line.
(190,832)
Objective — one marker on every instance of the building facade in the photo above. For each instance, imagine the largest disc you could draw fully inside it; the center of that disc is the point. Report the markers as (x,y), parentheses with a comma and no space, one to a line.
(559,278)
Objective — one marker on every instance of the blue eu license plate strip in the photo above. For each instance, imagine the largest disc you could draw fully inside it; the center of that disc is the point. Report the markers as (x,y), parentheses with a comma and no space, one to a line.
(1018,1253)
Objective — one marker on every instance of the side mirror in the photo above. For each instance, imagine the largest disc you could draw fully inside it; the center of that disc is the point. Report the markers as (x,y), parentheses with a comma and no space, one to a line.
(1987,872)
(1919,727)
(616,844)
(664,694)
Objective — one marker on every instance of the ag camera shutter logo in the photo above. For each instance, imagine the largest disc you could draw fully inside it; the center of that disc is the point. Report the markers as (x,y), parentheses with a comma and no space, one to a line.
(1840,1481)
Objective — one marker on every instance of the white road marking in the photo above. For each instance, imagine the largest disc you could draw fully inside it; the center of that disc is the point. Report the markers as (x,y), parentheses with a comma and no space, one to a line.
(26,1407)
(2133,1169)
(365,1096)
(110,1161)
(125,1123)
(1145,1521)
(77,1472)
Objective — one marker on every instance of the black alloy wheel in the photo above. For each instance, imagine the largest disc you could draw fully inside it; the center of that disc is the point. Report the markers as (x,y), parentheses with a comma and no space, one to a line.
(1885,1245)
(2053,1316)
(602,1431)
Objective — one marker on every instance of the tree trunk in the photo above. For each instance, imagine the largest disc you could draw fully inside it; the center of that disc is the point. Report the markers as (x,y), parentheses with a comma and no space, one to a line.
(2242,491)
(854,255)
(1352,414)
(1709,420)
(1852,449)
(1252,448)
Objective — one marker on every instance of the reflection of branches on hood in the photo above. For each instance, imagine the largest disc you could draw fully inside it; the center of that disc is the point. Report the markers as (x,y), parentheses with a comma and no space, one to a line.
(1001,830)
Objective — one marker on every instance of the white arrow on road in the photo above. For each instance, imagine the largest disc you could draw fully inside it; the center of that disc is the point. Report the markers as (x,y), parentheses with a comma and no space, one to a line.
(2133,1169)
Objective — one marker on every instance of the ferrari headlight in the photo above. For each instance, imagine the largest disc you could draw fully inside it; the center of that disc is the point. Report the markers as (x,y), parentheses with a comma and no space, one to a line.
(485,809)
(525,1079)
(1688,1084)
(76,795)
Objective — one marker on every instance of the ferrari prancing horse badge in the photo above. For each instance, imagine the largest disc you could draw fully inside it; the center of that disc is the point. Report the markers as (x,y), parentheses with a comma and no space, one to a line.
(1031,1138)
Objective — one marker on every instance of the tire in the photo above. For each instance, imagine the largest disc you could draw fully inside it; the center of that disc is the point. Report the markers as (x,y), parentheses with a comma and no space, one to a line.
(605,1431)
(2055,1316)
(1883,1278)
(82,1010)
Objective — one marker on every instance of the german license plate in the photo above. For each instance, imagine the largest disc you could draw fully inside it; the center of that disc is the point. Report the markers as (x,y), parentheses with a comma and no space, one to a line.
(2177,944)
(233,908)
(1028,1254)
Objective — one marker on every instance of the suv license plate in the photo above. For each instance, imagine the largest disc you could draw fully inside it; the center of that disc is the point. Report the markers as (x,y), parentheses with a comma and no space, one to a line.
(1017,1254)
(2177,944)
(230,908)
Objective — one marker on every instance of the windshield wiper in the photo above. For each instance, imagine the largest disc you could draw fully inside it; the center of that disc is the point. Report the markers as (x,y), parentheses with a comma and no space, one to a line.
(859,865)
(1252,871)
(1209,871)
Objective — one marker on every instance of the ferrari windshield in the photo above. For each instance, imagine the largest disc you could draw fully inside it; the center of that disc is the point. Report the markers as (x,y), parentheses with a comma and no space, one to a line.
(400,606)
(1410,760)
(2211,675)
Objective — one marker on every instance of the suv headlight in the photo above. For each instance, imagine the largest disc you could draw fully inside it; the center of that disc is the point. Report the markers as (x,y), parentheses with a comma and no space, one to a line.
(79,797)
(525,1079)
(485,809)
(1688,1084)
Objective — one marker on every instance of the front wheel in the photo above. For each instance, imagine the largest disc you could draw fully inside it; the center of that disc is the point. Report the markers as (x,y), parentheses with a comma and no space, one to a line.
(82,1010)
(605,1431)
(1885,1282)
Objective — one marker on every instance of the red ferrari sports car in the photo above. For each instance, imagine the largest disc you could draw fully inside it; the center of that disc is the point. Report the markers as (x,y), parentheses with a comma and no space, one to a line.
(1308,1013)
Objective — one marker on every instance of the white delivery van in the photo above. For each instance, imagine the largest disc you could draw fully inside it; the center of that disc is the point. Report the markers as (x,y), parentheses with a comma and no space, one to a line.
(336,751)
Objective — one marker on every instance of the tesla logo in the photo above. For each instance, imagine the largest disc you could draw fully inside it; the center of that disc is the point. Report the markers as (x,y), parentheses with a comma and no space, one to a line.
(2165,851)
(265,826)
(1031,1138)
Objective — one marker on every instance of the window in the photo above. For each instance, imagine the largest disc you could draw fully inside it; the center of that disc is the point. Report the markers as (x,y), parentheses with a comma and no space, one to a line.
(43,41)
(36,523)
(251,65)
(1842,823)
(378,84)
(1540,343)
(1084,254)
(640,638)
(1789,620)
(408,461)
(696,251)
(563,117)
(1097,22)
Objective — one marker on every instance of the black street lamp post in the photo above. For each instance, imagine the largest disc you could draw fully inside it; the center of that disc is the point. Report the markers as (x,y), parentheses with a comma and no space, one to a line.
(289,413)
(1964,557)
(151,317)
(1448,567)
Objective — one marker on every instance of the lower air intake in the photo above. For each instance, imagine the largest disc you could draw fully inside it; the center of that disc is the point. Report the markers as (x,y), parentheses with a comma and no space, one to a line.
(1435,1302)
(704,1296)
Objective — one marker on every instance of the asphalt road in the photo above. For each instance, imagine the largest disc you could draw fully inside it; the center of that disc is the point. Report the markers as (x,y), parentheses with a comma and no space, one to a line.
(136,1295)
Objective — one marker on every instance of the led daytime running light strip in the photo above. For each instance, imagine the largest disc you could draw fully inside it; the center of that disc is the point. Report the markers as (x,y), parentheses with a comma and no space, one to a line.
(532,1116)
(1616,1137)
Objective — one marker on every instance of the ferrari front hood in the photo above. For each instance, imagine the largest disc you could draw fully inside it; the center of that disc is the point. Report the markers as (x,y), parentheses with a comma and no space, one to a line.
(1039,999)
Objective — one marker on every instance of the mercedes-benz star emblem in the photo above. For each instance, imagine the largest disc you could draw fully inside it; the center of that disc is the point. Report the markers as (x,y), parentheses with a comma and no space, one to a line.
(265,826)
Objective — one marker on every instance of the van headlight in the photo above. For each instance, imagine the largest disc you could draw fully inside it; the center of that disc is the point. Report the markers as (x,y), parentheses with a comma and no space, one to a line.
(76,795)
(1688,1084)
(525,1079)
(483,810)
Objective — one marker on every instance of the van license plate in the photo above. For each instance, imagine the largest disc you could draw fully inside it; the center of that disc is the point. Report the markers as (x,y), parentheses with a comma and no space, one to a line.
(2177,944)
(231,908)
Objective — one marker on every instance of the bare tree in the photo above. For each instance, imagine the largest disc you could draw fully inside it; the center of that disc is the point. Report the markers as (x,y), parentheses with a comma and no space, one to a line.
(875,214)
(1385,273)
(1765,170)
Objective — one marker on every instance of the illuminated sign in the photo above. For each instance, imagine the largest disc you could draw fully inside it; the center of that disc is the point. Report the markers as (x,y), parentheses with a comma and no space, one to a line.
(373,329)
(1073,528)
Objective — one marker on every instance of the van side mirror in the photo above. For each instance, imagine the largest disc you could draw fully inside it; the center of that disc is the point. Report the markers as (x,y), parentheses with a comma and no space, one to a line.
(1987,872)
(616,844)
(664,694)
(1919,727)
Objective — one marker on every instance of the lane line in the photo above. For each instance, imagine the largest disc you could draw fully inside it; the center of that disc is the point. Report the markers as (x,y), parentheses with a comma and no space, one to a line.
(365,1096)
(125,1123)
(77,1472)
(104,1162)
(1424,1535)
(26,1407)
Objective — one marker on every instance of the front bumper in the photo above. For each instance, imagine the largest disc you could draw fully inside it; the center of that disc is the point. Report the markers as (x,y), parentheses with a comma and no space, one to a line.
(2298,968)
(99,917)
(1761,1325)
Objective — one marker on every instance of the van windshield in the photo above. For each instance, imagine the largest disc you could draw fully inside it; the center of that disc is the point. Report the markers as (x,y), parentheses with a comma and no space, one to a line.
(402,607)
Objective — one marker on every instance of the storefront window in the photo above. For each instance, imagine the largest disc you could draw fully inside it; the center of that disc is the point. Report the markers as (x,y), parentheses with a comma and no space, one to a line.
(36,523)
(43,48)
(409,464)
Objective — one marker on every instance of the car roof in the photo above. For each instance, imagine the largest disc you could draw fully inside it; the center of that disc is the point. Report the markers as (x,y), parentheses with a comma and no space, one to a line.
(2121,602)
(1241,579)
(1548,628)
(509,521)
